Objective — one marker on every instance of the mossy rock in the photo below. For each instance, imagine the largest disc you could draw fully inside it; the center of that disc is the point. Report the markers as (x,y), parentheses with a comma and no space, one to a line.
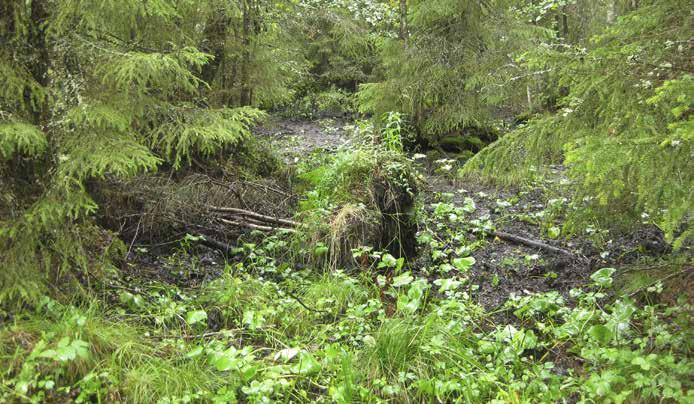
(472,139)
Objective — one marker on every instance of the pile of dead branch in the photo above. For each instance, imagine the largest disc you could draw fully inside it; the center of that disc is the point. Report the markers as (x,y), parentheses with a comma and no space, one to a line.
(253,220)
(158,209)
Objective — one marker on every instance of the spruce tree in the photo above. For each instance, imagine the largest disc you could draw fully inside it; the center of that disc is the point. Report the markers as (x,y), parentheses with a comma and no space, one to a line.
(93,90)
(447,75)
(624,128)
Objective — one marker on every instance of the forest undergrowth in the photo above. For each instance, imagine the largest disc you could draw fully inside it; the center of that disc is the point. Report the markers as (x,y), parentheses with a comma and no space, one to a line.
(470,317)
(380,201)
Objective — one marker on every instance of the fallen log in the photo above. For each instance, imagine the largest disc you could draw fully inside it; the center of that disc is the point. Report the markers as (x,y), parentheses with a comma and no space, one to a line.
(531,243)
(254,215)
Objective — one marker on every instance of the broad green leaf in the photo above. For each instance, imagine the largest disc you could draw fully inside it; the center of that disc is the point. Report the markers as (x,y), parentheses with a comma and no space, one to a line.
(600,333)
(447,284)
(195,352)
(463,264)
(307,364)
(554,232)
(399,263)
(387,261)
(81,348)
(402,280)
(225,362)
(603,277)
(253,319)
(196,316)
(320,250)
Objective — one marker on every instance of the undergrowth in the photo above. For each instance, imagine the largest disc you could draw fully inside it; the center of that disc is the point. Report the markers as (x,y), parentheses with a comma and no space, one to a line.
(266,331)
(362,196)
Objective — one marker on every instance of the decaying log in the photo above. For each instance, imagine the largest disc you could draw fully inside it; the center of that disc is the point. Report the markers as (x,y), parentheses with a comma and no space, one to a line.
(531,243)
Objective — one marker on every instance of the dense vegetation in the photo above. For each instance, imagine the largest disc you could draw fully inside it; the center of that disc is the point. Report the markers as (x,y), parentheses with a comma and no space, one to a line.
(332,200)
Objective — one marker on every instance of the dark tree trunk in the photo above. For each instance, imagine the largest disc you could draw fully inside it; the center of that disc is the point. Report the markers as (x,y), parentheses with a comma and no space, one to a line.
(247,10)
(562,21)
(215,36)
(403,21)
(41,59)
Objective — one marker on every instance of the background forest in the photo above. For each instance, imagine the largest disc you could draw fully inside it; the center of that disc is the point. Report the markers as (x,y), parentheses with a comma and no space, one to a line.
(346,201)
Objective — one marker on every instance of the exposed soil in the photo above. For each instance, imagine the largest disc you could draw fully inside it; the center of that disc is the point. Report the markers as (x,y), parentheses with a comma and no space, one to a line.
(502,268)
(296,138)
(173,268)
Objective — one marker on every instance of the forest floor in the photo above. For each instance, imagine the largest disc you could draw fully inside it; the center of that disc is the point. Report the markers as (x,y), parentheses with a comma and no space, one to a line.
(503,268)
(470,317)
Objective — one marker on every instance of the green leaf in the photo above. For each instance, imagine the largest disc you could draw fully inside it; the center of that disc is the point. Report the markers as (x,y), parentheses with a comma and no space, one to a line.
(447,284)
(463,264)
(81,348)
(600,333)
(411,301)
(399,263)
(195,352)
(307,364)
(388,261)
(603,277)
(253,319)
(225,362)
(320,250)
(642,362)
(196,316)
(402,280)
(554,232)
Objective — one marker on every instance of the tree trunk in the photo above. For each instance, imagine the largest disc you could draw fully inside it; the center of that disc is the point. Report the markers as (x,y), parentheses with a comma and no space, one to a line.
(611,11)
(37,40)
(247,10)
(215,36)
(562,21)
(403,34)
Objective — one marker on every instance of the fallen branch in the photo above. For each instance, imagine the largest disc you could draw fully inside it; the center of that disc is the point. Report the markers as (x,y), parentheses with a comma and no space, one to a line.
(224,248)
(293,296)
(267,188)
(250,214)
(531,243)
(255,226)
(228,332)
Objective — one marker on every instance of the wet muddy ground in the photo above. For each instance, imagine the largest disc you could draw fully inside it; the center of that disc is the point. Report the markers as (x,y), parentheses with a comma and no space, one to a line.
(295,139)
